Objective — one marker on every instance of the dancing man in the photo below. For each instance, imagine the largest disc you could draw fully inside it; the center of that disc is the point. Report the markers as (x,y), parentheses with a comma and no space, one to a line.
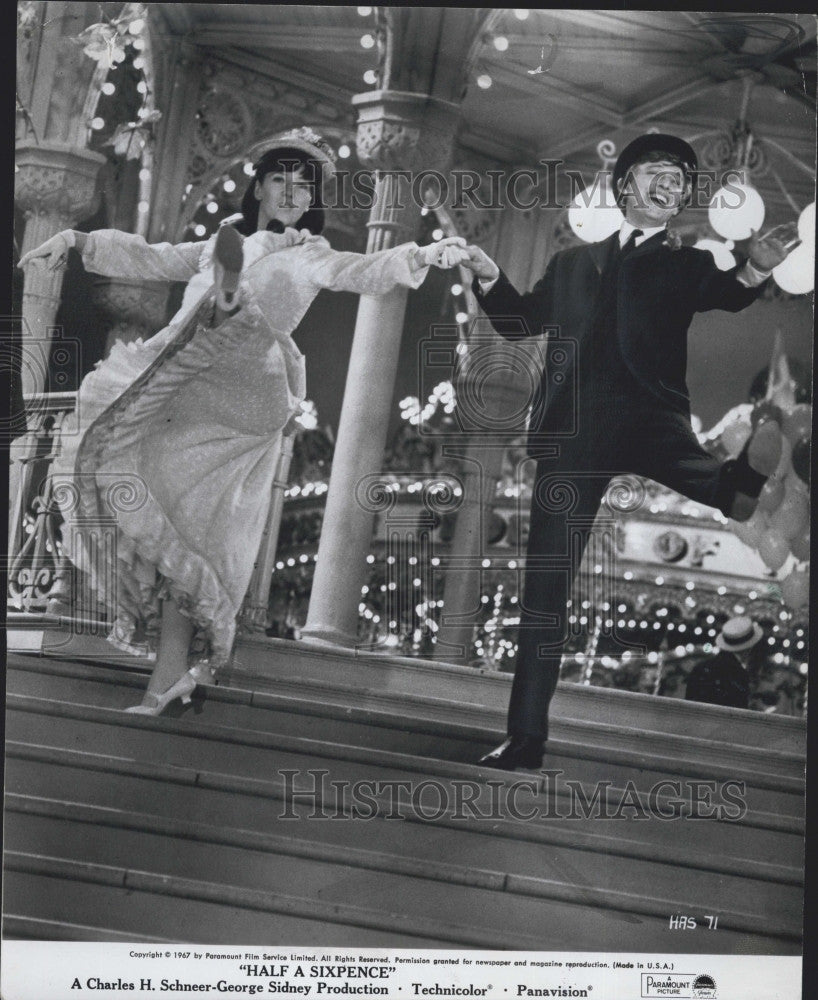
(623,407)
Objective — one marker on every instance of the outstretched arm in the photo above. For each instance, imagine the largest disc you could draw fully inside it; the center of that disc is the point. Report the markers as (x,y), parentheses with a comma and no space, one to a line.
(735,289)
(119,255)
(513,315)
(378,273)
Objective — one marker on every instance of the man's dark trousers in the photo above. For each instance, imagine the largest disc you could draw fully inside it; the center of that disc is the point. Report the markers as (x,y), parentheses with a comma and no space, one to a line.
(620,427)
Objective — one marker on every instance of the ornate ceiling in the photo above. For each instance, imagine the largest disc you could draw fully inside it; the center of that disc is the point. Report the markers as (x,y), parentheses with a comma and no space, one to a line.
(605,74)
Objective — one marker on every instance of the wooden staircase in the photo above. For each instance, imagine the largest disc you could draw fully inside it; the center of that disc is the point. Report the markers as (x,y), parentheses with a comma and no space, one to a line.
(186,828)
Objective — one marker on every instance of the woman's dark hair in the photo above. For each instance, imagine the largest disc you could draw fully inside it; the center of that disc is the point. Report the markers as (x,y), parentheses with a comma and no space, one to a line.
(286,159)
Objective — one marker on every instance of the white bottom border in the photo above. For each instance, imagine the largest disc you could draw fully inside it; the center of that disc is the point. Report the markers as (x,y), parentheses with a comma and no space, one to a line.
(56,970)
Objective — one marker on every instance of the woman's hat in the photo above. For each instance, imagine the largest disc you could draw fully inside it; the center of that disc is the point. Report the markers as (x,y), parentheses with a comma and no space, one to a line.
(654,142)
(738,634)
(308,141)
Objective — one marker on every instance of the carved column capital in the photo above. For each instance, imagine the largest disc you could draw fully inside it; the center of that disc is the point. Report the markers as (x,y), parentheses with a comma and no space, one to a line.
(404,131)
(400,131)
(57,181)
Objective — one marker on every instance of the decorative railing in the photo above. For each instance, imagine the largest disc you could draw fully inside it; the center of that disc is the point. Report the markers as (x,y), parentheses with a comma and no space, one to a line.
(37,569)
(42,584)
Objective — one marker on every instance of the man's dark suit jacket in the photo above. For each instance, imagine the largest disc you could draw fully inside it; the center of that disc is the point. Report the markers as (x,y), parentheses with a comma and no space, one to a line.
(720,680)
(658,291)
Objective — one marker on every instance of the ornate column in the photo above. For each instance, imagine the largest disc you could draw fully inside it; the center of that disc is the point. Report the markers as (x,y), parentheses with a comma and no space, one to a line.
(495,389)
(55,186)
(135,308)
(493,396)
(396,131)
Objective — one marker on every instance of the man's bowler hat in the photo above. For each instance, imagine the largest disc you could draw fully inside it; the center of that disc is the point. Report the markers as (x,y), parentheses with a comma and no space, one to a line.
(654,142)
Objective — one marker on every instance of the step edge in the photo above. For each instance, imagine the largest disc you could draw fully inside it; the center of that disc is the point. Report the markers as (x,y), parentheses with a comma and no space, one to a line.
(639,851)
(223,894)
(220,781)
(440,872)
(389,718)
(596,693)
(19,922)
(762,781)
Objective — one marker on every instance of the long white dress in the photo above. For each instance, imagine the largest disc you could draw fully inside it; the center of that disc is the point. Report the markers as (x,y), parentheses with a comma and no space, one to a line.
(165,475)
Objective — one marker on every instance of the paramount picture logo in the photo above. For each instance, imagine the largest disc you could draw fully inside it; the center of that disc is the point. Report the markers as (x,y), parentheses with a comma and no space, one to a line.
(704,988)
(679,984)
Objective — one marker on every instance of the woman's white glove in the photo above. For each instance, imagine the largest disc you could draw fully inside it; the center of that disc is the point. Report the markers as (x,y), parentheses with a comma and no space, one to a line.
(444,253)
(54,252)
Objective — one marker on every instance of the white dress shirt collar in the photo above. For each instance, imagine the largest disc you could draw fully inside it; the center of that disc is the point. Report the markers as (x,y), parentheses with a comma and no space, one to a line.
(626,229)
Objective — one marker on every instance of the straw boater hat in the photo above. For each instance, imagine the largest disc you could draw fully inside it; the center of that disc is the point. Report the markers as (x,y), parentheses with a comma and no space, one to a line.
(305,139)
(738,634)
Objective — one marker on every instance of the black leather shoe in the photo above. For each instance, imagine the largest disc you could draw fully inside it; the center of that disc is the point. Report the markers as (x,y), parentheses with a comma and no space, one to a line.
(516,751)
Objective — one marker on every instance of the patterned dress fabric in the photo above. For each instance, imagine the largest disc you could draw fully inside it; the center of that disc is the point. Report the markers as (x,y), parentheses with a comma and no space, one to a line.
(166,471)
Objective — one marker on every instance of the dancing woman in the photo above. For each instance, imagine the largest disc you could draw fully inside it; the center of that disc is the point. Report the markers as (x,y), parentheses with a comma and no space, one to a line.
(190,420)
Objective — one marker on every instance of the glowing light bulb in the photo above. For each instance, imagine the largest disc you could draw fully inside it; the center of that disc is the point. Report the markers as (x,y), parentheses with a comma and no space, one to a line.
(457,289)
(367,41)
(200,230)
(735,211)
(97,124)
(139,63)
(144,174)
(484,81)
(136,26)
(501,43)
(461,317)
(248,169)
(344,151)
(370,76)
(212,207)
(364,11)
(108,88)
(229,185)
(521,13)
(142,207)
(437,234)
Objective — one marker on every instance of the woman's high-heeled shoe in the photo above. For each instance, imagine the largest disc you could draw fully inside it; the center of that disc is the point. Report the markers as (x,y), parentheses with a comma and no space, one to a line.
(228,260)
(183,688)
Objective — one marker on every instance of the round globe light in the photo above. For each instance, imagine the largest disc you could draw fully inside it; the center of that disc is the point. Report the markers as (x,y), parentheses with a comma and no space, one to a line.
(593,216)
(796,275)
(721,253)
(735,211)
(806,224)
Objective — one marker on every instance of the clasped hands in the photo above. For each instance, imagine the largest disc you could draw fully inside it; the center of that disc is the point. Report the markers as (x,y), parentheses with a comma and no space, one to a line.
(455,252)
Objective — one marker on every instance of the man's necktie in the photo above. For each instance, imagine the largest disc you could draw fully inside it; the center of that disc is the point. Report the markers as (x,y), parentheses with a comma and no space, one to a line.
(630,242)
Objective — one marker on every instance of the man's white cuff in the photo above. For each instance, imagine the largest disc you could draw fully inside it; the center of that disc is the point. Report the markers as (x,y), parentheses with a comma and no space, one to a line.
(752,277)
